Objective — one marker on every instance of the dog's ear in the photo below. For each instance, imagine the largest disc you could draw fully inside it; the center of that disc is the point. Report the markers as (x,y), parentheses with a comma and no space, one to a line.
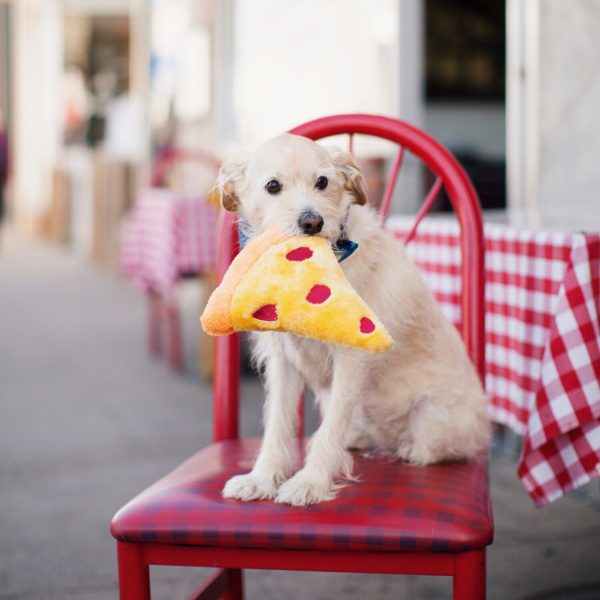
(228,182)
(350,171)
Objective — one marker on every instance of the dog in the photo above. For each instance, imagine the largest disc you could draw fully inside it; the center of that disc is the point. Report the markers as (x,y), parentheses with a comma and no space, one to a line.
(422,401)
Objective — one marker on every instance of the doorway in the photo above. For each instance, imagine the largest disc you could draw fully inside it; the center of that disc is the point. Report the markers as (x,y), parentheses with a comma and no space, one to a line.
(465,65)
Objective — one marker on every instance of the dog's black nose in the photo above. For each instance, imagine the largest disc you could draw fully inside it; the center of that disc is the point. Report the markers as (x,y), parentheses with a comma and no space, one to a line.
(310,223)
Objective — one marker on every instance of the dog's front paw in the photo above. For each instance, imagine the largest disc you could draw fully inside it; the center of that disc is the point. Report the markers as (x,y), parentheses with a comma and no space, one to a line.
(304,489)
(251,487)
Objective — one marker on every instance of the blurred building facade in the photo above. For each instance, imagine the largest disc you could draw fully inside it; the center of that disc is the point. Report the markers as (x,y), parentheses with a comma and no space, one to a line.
(511,86)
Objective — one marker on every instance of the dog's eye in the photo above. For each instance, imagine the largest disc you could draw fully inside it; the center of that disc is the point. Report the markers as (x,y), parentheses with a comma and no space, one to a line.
(273,186)
(321,183)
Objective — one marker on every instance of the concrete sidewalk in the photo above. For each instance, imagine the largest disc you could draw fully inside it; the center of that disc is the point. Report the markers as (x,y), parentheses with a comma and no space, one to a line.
(87,420)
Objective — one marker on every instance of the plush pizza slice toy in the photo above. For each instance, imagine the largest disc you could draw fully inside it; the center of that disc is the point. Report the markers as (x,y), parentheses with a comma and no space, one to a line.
(293,284)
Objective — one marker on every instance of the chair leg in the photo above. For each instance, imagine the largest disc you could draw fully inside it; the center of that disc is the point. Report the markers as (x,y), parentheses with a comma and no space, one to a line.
(468,582)
(134,574)
(235,585)
(175,341)
(154,319)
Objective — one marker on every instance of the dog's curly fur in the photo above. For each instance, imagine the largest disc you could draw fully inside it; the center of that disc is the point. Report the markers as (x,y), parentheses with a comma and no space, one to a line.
(421,401)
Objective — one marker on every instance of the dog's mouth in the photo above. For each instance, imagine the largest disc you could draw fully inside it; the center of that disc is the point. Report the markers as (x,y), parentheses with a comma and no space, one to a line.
(325,234)
(297,231)
(310,223)
(341,246)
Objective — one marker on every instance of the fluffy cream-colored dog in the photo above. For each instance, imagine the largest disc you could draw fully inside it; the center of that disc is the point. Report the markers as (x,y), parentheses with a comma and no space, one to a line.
(421,401)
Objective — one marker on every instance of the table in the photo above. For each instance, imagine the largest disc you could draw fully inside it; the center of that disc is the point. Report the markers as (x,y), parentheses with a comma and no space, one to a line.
(542,321)
(167,236)
(542,341)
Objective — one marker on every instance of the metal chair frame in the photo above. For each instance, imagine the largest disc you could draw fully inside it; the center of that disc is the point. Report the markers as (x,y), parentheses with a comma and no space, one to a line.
(467,568)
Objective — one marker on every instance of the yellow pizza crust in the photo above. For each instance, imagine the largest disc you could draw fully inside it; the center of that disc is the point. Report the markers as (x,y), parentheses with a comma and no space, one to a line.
(216,318)
(310,296)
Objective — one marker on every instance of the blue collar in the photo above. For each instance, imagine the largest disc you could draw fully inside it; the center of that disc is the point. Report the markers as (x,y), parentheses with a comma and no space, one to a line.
(242,236)
(344,248)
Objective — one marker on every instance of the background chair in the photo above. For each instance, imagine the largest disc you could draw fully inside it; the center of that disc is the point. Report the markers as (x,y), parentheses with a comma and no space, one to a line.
(433,520)
(161,311)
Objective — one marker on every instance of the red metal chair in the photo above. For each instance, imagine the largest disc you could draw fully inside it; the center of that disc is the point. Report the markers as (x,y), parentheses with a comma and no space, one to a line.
(159,310)
(398,519)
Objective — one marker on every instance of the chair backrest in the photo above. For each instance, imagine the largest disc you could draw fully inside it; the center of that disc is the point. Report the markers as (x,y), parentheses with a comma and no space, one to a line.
(448,174)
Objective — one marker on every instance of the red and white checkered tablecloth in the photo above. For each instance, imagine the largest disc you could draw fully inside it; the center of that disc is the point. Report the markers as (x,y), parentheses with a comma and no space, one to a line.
(166,236)
(542,341)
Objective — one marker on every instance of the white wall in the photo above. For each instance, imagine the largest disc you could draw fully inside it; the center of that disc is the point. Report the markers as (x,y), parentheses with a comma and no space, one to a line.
(553,117)
(37,71)
(411,95)
(99,7)
(4,61)
(295,61)
(569,112)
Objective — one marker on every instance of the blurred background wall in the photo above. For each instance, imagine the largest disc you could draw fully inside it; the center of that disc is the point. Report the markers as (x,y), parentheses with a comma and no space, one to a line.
(553,94)
(512,87)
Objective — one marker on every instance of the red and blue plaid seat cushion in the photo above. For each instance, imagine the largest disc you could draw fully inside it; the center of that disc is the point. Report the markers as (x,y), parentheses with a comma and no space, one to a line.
(393,507)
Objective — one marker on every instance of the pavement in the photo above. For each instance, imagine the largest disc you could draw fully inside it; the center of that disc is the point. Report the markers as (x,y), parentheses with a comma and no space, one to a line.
(87,420)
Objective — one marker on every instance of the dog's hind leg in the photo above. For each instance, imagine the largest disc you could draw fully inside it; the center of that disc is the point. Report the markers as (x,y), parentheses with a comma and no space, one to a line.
(444,425)
(357,437)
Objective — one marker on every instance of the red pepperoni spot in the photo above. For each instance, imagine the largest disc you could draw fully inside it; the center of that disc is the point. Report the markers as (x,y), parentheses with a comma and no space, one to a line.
(318,294)
(268,312)
(366,325)
(298,254)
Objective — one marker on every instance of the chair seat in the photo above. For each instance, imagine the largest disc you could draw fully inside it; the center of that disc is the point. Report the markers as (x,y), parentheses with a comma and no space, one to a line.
(393,507)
